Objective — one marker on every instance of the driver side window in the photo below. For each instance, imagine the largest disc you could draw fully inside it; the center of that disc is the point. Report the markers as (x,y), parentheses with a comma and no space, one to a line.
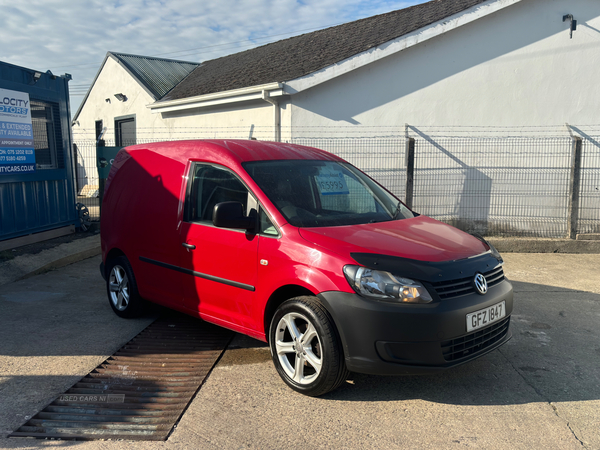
(212,185)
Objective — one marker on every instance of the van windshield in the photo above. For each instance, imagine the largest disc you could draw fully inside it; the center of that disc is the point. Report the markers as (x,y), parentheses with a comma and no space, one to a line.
(324,193)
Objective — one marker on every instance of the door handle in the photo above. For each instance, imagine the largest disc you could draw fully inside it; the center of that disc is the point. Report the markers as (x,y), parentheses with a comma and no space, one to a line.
(188,246)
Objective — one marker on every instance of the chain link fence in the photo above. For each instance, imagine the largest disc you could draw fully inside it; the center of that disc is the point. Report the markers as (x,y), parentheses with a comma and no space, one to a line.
(485,181)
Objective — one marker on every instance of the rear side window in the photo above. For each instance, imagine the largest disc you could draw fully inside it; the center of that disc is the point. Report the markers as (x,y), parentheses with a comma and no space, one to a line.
(212,185)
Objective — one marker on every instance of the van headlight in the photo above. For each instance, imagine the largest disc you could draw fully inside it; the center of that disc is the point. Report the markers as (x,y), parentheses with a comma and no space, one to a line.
(385,286)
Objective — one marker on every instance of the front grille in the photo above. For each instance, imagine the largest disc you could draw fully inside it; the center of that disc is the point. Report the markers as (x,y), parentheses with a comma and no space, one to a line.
(464,286)
(470,344)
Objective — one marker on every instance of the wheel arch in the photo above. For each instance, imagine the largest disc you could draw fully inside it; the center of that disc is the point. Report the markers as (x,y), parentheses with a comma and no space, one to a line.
(126,286)
(331,372)
(112,254)
(280,295)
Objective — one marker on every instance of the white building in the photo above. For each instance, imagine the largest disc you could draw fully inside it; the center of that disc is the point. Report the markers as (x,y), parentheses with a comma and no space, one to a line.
(115,108)
(118,97)
(452,63)
(508,63)
(446,67)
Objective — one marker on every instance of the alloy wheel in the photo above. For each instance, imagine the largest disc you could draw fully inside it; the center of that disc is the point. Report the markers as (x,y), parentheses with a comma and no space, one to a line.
(118,285)
(298,348)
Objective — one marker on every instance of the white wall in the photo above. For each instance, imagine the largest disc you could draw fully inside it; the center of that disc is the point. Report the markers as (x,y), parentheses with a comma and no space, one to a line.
(112,80)
(244,120)
(515,67)
(241,121)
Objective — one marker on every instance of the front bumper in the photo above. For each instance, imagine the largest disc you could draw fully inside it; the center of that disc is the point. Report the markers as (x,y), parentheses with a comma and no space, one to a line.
(384,338)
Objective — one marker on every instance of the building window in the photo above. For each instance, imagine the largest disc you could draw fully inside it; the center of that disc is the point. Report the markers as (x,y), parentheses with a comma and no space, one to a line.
(98,129)
(125,131)
(47,136)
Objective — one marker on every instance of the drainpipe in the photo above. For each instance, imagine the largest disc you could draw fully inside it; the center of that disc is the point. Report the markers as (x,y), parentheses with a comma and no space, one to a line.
(276,114)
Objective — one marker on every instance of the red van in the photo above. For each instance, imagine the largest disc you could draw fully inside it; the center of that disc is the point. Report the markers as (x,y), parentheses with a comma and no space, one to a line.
(298,248)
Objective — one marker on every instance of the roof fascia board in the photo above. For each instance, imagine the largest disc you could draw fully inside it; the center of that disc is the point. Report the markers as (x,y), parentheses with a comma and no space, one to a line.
(156,59)
(118,60)
(394,46)
(87,94)
(218,98)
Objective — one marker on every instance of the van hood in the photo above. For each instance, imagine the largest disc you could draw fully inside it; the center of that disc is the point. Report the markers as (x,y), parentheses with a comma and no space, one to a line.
(420,238)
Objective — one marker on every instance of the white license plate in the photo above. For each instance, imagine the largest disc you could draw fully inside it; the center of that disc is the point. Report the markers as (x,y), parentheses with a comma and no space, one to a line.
(483,317)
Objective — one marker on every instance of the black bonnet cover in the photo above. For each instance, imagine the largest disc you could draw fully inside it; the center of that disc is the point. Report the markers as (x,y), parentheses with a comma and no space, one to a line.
(431,272)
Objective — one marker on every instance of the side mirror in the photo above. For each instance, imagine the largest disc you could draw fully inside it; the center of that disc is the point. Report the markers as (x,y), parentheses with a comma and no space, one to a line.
(231,215)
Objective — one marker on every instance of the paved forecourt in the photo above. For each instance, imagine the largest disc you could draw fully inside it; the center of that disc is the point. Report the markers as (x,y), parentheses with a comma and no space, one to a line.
(541,390)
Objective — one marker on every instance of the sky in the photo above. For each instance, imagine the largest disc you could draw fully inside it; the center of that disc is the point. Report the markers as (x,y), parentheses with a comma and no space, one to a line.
(73,37)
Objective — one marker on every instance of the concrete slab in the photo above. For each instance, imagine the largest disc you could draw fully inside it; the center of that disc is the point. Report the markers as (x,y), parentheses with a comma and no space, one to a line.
(27,265)
(539,245)
(54,328)
(485,405)
(550,271)
(541,390)
(588,237)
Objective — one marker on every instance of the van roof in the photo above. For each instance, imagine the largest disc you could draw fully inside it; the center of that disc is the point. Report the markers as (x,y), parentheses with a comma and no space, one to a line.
(227,151)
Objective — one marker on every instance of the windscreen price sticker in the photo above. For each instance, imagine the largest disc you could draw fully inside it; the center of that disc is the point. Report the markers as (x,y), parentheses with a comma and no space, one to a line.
(332,183)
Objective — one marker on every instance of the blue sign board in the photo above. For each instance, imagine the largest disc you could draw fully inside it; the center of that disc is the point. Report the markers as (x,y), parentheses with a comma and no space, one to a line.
(17,153)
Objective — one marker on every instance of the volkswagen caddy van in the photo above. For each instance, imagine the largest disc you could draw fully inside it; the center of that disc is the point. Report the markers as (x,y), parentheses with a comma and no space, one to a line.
(298,248)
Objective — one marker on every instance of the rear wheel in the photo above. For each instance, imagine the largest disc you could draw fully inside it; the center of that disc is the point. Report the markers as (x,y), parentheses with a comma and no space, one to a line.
(121,287)
(306,348)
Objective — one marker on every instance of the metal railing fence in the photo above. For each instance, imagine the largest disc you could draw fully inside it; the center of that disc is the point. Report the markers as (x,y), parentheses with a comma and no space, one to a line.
(500,186)
(382,158)
(494,185)
(589,192)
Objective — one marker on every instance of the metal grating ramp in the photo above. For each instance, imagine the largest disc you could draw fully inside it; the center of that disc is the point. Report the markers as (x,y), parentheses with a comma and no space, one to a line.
(141,391)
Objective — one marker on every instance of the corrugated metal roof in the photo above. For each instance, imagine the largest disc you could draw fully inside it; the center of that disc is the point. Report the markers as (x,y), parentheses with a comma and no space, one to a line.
(158,75)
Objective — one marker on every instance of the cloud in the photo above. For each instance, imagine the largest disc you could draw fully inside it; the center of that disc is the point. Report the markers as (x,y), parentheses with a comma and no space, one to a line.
(73,37)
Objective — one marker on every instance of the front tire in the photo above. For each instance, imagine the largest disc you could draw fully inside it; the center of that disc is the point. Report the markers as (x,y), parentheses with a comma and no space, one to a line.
(306,348)
(121,288)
